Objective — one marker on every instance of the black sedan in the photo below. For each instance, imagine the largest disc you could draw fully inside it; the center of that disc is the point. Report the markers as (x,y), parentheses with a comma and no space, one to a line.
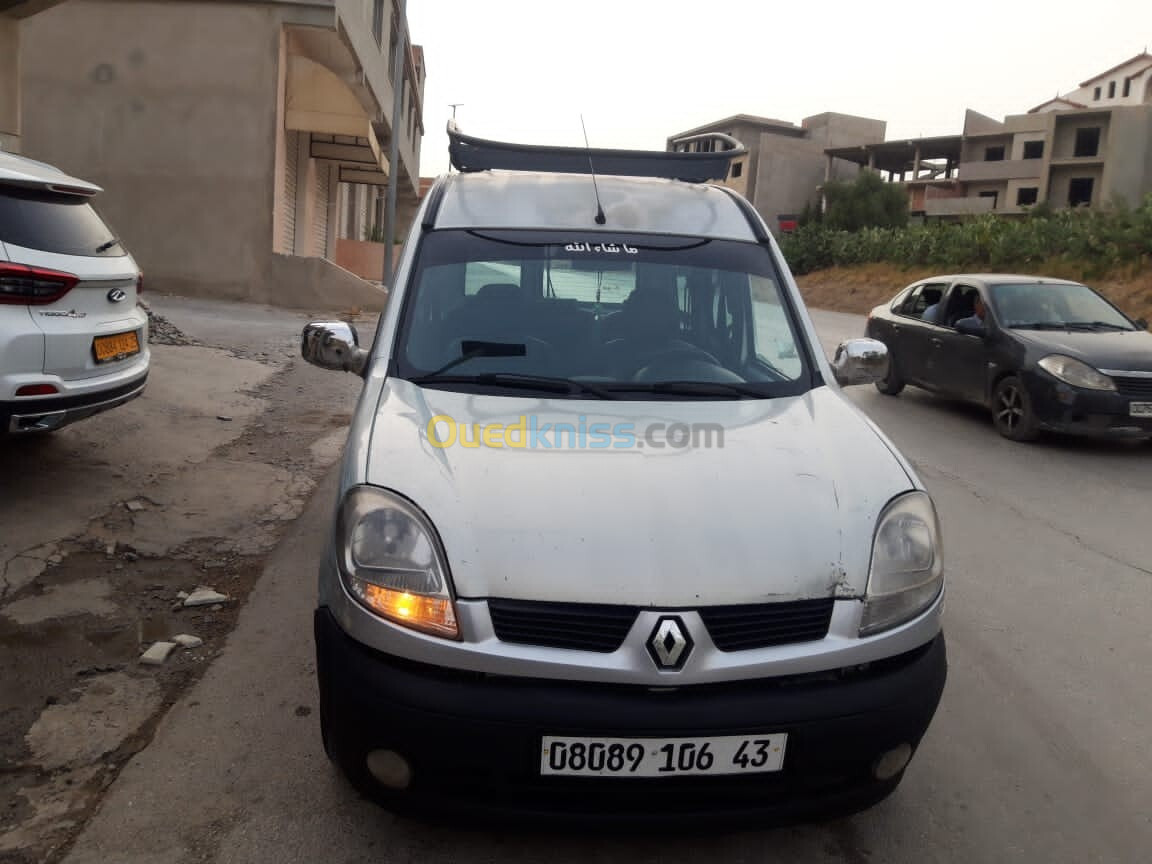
(1042,354)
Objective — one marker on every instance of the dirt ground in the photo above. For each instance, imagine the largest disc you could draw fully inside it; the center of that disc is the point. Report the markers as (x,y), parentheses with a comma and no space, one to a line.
(858,289)
(106,524)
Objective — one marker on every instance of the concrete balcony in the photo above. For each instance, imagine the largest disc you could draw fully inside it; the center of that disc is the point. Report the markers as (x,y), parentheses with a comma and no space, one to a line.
(957,206)
(1007,169)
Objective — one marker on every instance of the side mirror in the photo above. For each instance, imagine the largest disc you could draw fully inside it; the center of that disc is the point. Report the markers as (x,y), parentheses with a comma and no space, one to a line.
(333,345)
(1142,323)
(969,328)
(860,361)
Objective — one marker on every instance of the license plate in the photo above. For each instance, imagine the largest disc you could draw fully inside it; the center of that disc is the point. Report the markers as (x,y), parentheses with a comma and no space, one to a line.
(115,347)
(1140,409)
(662,757)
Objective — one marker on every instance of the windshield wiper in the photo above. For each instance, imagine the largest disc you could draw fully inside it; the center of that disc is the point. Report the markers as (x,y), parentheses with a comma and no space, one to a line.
(1097,325)
(1067,325)
(694,388)
(104,247)
(566,386)
(1037,325)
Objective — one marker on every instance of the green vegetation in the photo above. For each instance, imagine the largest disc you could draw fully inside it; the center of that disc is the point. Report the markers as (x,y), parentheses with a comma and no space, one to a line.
(1094,241)
(866,202)
(374,233)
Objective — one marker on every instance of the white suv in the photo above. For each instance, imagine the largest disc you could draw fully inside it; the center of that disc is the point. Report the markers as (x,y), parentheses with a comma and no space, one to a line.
(73,341)
(610,542)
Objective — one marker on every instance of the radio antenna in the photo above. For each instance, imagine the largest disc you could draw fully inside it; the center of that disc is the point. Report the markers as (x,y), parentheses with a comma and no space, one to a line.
(600,218)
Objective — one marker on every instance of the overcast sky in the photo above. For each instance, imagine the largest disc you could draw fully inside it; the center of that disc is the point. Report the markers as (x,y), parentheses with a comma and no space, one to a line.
(641,70)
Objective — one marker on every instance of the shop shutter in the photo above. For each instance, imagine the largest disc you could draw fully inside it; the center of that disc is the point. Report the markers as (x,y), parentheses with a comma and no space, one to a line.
(291,173)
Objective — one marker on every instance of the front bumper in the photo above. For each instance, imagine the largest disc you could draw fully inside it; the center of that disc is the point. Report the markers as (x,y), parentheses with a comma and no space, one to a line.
(1060,407)
(24,416)
(473,740)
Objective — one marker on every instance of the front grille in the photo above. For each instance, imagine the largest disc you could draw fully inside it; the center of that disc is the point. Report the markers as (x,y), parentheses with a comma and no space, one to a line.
(1141,387)
(740,628)
(603,628)
(579,626)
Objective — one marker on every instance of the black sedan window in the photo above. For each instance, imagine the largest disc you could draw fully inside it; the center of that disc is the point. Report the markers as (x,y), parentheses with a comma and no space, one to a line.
(920,299)
(1044,305)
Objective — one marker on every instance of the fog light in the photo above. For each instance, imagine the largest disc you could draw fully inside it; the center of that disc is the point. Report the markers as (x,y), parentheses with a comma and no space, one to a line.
(892,762)
(37,390)
(389,768)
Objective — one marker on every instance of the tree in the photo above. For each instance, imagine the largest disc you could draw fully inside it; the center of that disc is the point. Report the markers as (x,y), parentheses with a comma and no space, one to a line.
(810,215)
(866,202)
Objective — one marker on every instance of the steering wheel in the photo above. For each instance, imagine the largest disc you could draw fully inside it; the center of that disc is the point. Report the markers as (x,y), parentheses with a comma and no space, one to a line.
(676,361)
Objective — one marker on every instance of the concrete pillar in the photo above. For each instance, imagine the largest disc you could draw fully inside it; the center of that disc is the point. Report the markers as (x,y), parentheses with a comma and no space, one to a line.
(871,160)
(9,84)
(916,164)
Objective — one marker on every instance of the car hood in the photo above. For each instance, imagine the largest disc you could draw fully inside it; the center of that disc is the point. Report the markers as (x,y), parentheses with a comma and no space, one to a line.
(1128,350)
(785,509)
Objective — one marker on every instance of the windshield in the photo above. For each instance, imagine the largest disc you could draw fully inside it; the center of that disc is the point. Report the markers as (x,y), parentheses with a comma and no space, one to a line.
(1041,305)
(54,222)
(603,316)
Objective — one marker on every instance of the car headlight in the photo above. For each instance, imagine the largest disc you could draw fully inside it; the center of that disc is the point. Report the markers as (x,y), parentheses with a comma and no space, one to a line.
(391,560)
(1075,372)
(906,574)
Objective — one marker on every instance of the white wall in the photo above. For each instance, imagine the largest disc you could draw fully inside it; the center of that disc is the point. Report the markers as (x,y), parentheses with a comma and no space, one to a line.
(1137,90)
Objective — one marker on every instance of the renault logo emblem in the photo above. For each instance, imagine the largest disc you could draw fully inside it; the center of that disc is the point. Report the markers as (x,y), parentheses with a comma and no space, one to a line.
(116,295)
(669,645)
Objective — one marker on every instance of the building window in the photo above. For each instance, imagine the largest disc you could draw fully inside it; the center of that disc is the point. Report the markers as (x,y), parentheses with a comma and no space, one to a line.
(1127,87)
(1096,94)
(1026,196)
(393,46)
(377,215)
(1033,149)
(1087,141)
(737,169)
(991,193)
(994,154)
(350,226)
(1080,191)
(378,20)
(1111,89)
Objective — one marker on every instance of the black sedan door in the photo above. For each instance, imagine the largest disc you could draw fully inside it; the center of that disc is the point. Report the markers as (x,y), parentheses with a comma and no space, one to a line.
(910,339)
(960,360)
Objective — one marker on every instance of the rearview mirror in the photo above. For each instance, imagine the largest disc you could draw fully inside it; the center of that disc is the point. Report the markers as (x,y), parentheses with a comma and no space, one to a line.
(333,345)
(860,361)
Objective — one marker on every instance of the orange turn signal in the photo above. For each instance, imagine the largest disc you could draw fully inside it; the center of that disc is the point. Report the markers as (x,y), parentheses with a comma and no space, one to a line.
(433,615)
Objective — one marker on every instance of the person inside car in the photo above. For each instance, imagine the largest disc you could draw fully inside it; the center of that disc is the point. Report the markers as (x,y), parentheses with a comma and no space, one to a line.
(975,321)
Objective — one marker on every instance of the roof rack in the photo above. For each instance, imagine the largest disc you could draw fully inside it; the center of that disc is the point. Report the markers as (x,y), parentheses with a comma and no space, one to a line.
(478,154)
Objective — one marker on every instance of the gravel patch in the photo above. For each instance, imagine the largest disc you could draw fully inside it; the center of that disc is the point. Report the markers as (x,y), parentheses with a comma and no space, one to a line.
(161,331)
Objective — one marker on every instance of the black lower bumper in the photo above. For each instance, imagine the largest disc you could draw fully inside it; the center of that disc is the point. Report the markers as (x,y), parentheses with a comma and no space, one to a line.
(474,741)
(54,412)
(1075,411)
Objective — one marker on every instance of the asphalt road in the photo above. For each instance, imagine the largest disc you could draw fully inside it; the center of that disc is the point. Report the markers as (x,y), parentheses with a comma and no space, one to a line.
(1040,750)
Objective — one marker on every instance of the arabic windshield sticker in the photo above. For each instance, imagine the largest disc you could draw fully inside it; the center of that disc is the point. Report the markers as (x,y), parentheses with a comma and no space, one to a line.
(602,248)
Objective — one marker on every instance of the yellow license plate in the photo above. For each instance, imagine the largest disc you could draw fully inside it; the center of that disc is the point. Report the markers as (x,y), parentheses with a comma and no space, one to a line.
(115,347)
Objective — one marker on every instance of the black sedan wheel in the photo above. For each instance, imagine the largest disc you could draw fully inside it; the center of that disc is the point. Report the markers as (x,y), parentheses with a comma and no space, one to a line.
(893,383)
(1012,411)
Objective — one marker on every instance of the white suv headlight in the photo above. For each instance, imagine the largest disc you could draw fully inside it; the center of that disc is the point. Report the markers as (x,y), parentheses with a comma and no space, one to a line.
(906,574)
(392,562)
(1075,372)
